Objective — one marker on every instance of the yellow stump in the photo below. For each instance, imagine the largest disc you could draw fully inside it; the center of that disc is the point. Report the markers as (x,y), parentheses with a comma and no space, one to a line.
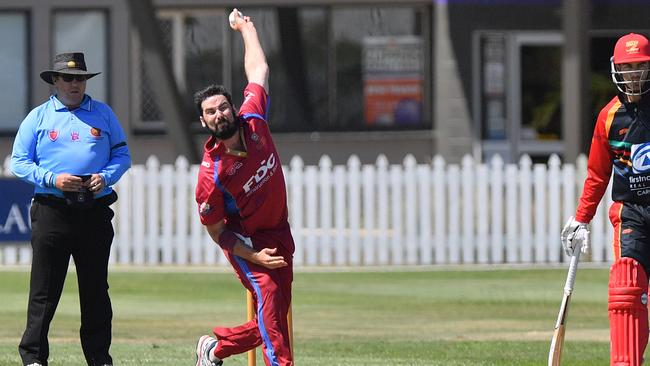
(250,314)
(290,323)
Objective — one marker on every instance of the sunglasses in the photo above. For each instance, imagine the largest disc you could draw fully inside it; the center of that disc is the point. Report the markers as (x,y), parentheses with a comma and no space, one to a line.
(68,78)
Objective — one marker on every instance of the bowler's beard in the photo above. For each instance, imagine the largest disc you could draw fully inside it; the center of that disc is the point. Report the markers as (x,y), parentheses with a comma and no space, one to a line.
(227,130)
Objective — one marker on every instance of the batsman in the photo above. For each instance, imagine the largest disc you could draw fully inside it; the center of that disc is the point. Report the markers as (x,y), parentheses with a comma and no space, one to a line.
(621,142)
(242,202)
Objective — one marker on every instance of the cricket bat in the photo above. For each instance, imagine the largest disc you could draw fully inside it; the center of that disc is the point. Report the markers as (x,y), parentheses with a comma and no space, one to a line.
(555,354)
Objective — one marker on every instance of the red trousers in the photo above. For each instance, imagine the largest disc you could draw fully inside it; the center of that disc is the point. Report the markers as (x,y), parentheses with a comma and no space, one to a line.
(271,289)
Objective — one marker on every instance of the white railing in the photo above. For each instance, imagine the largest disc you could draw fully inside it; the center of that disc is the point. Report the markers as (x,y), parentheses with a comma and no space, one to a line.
(377,214)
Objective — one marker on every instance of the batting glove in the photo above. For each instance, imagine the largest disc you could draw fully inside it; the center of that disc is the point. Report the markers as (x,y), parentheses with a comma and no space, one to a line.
(574,233)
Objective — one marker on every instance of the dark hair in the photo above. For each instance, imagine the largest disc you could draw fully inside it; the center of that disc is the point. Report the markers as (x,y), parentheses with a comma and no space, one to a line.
(209,91)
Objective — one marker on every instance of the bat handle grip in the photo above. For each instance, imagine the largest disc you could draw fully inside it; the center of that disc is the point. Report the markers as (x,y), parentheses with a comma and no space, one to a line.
(573,268)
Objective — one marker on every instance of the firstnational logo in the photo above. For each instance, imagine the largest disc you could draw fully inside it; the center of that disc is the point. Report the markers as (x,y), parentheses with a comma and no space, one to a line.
(640,156)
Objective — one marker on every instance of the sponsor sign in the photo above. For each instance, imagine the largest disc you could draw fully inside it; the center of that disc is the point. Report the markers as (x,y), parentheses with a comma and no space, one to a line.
(392,80)
(15,201)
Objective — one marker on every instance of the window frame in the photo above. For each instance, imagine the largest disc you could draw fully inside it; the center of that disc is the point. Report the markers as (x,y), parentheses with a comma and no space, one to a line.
(106,68)
(427,123)
(512,147)
(27,77)
(177,17)
(178,14)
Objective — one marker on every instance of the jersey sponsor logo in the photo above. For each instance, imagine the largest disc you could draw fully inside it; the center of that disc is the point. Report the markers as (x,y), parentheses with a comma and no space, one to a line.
(639,184)
(53,135)
(95,132)
(234,168)
(205,163)
(74,135)
(640,156)
(261,175)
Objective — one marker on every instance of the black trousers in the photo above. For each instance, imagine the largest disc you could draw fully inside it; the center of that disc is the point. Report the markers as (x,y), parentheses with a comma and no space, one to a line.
(59,232)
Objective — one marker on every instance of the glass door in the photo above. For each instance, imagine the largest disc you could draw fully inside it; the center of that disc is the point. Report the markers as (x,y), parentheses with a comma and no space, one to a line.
(535,94)
(518,94)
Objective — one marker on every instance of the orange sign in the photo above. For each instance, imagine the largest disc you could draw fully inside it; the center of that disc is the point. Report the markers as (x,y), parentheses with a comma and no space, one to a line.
(392,73)
(393,101)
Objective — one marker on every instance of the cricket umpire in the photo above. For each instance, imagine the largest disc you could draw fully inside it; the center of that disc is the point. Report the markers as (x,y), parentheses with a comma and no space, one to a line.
(72,149)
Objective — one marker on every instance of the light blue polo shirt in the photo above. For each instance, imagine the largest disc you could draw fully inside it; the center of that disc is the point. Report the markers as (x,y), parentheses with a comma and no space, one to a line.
(53,139)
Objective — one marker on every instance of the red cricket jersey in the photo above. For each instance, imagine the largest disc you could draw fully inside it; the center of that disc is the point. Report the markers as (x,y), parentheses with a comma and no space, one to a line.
(249,192)
(621,143)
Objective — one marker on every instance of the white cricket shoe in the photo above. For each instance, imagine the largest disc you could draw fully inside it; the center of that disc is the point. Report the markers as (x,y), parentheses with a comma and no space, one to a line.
(204,346)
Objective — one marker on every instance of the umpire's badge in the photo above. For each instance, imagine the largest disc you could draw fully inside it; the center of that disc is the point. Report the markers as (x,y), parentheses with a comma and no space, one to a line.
(205,208)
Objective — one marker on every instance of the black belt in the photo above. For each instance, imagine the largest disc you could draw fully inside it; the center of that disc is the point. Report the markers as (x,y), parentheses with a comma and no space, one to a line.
(49,199)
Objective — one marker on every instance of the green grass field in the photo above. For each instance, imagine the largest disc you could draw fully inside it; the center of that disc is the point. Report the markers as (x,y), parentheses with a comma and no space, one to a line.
(448,316)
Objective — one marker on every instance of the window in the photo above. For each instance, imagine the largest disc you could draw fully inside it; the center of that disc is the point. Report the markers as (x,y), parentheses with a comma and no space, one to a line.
(145,107)
(14,63)
(380,67)
(343,68)
(85,31)
(193,42)
(518,94)
(602,88)
(347,68)
(493,87)
(296,48)
(541,107)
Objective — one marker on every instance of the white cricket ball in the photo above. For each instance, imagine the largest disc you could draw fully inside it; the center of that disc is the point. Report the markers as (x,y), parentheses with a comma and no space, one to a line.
(231,17)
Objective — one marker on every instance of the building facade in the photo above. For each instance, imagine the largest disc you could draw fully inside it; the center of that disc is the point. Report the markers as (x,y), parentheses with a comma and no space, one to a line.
(347,77)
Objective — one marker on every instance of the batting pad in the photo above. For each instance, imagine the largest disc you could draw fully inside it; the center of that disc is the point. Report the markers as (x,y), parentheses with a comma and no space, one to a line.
(628,312)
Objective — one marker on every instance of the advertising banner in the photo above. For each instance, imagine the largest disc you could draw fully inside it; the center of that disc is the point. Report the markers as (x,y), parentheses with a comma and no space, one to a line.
(392,80)
(15,201)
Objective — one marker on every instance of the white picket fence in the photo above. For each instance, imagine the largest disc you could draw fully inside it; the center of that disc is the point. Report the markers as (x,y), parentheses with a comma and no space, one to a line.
(364,215)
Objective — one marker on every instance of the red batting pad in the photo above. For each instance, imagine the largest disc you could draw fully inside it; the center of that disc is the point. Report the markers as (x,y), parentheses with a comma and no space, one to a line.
(628,312)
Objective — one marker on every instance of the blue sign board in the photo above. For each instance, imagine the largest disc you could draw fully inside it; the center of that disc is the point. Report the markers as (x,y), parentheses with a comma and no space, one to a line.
(15,201)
